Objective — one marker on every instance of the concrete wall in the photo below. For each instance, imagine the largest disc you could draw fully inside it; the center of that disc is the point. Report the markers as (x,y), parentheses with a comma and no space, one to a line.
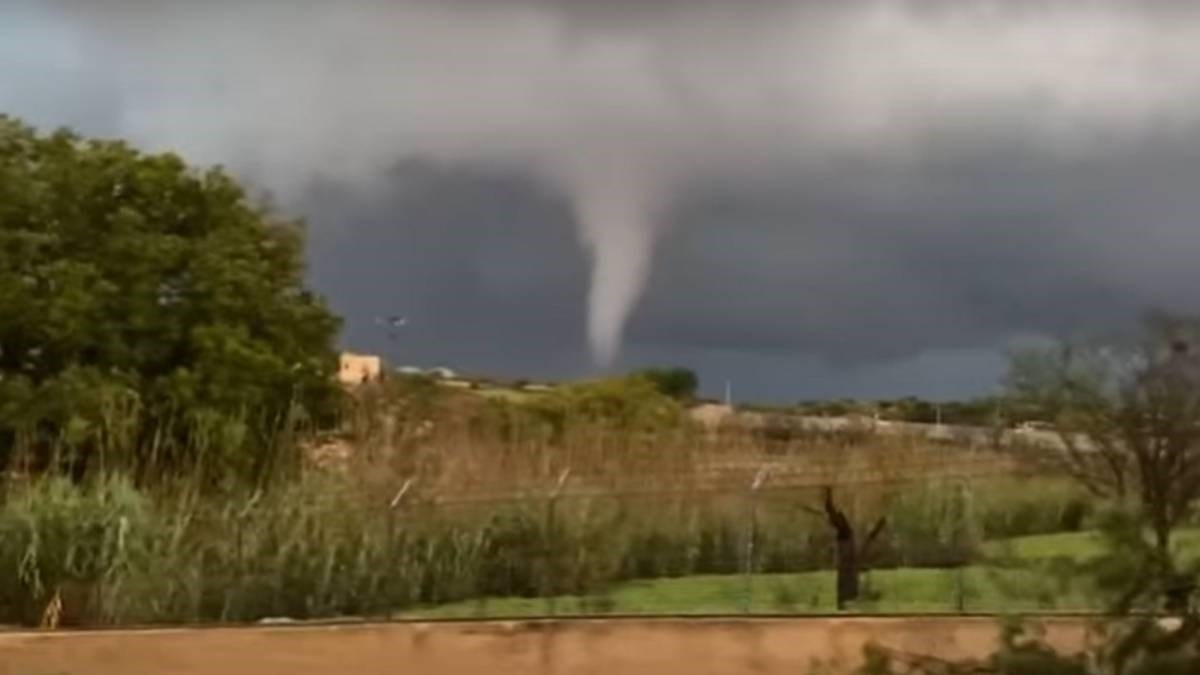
(593,647)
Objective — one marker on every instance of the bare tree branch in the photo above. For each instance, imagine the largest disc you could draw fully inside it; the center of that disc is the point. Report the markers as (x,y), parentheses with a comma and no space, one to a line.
(1128,418)
(874,532)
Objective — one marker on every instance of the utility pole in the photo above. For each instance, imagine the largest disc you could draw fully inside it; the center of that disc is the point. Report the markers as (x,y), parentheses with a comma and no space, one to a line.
(728,393)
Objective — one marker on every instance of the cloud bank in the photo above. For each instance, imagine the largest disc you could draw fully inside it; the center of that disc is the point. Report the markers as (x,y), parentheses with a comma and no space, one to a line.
(771,139)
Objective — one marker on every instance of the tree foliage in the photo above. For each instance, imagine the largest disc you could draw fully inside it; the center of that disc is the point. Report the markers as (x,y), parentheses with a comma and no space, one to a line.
(678,383)
(625,404)
(150,314)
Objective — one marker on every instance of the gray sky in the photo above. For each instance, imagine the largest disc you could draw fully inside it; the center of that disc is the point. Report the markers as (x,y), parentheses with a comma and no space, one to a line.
(811,198)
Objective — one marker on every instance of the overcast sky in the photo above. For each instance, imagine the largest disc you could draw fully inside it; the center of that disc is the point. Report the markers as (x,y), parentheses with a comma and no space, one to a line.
(809,198)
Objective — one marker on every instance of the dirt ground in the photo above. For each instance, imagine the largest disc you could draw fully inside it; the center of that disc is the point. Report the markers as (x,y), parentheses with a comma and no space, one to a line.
(593,647)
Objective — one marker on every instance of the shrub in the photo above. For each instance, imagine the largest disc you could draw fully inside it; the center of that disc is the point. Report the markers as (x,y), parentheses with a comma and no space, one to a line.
(677,383)
(632,405)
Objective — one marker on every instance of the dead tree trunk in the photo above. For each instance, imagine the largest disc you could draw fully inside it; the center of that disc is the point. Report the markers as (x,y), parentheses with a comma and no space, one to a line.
(849,550)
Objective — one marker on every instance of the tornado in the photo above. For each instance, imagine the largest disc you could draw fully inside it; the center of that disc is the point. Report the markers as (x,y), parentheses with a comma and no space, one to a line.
(618,208)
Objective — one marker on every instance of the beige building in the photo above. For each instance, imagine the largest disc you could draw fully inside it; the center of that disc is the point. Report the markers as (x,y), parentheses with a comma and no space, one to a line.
(358,368)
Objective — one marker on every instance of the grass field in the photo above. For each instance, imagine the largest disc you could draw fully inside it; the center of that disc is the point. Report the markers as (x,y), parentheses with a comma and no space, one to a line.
(1079,546)
(974,589)
(899,591)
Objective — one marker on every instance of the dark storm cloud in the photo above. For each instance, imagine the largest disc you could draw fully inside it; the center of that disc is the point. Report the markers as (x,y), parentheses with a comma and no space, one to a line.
(951,253)
(480,264)
(860,184)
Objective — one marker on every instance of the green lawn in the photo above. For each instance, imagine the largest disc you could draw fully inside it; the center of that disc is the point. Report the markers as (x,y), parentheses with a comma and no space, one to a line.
(978,588)
(973,589)
(1079,546)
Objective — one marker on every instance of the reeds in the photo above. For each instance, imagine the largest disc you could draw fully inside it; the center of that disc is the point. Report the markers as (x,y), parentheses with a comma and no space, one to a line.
(499,499)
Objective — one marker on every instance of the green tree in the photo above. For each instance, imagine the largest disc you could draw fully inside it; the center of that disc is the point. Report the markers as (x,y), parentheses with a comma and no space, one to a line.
(678,383)
(150,314)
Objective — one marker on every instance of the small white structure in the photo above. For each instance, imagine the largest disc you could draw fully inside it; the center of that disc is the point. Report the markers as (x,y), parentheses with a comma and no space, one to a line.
(711,416)
(356,369)
(439,373)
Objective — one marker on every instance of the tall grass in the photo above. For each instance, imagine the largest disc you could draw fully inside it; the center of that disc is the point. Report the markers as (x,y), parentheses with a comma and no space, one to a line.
(318,548)
(84,543)
(502,499)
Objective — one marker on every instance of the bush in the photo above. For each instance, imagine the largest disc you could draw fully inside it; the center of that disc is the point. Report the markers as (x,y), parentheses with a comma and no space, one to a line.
(932,527)
(677,383)
(630,405)
(1007,508)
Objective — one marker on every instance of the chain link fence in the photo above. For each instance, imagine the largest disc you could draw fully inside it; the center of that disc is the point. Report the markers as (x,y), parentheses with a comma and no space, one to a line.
(760,550)
(561,549)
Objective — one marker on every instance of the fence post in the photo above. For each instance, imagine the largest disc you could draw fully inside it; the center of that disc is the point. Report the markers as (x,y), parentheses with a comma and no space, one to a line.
(751,534)
(965,521)
(234,581)
(550,566)
(393,506)
(239,585)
